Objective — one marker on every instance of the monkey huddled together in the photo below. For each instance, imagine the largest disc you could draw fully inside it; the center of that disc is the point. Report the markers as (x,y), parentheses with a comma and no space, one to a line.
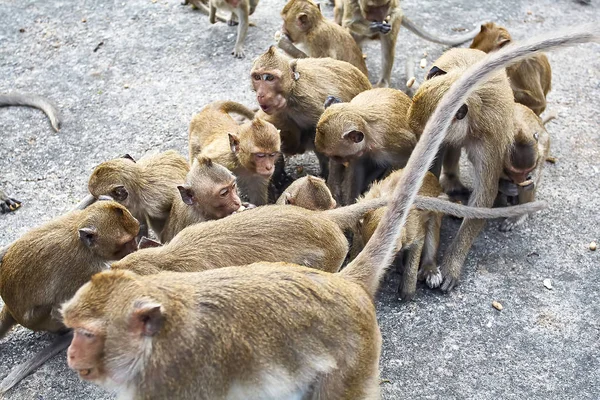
(259,297)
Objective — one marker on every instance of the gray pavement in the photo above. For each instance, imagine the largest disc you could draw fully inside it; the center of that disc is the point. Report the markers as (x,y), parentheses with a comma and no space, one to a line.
(161,62)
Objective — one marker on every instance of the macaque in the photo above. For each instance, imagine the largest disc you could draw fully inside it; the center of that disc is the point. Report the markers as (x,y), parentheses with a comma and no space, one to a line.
(147,187)
(309,192)
(240,10)
(480,118)
(249,150)
(33,100)
(530,79)
(305,27)
(381,19)
(291,95)
(209,192)
(364,137)
(523,163)
(8,204)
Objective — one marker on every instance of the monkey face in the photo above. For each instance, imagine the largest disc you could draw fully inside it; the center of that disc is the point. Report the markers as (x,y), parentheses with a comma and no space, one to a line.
(85,354)
(264,163)
(267,85)
(225,200)
(375,10)
(491,37)
(341,135)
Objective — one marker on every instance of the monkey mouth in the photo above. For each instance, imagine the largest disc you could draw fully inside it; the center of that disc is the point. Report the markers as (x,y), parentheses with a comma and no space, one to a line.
(85,374)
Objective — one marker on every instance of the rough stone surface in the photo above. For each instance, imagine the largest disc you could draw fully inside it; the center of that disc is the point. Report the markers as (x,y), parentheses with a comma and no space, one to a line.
(160,62)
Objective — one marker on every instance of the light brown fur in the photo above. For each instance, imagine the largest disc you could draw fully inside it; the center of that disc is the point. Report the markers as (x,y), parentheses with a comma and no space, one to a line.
(530,79)
(309,192)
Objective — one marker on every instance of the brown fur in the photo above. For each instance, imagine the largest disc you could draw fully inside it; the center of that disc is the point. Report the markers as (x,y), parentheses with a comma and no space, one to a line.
(305,26)
(530,79)
(309,192)
(150,185)
(210,135)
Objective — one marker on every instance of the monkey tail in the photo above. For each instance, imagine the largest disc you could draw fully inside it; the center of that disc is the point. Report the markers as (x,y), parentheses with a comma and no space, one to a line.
(33,100)
(347,217)
(462,211)
(233,107)
(26,368)
(369,266)
(419,31)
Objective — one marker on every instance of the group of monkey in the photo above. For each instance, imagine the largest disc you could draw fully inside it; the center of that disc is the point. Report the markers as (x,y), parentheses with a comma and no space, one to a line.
(242,300)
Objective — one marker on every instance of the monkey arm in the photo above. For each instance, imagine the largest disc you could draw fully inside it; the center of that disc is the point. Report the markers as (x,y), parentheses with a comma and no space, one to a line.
(286,45)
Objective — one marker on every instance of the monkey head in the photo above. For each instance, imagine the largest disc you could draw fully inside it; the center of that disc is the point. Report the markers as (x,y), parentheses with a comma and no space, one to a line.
(257,146)
(114,179)
(109,230)
(491,37)
(113,321)
(308,192)
(341,132)
(376,10)
(211,189)
(299,16)
(273,76)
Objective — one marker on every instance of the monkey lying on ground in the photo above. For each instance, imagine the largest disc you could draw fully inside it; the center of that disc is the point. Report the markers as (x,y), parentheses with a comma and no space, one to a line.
(8,204)
(33,100)
(249,150)
(46,266)
(530,79)
(364,138)
(381,19)
(209,192)
(309,192)
(305,26)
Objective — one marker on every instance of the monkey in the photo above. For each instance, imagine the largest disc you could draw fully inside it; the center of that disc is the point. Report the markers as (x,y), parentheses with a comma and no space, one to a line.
(36,101)
(461,115)
(292,93)
(202,5)
(305,26)
(249,150)
(523,162)
(381,19)
(309,192)
(530,79)
(209,192)
(46,266)
(147,187)
(371,129)
(8,204)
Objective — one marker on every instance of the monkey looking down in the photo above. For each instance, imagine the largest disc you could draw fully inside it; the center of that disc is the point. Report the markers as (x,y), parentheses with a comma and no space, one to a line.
(309,192)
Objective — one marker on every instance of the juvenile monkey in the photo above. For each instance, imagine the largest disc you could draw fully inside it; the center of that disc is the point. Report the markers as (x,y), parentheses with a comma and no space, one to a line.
(46,266)
(292,93)
(209,192)
(8,204)
(523,163)
(33,100)
(308,192)
(381,19)
(249,150)
(307,33)
(147,187)
(530,79)
(372,129)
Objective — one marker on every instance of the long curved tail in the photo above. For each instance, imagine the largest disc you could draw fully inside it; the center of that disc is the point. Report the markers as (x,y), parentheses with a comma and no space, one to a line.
(369,266)
(469,212)
(234,107)
(347,217)
(33,100)
(419,31)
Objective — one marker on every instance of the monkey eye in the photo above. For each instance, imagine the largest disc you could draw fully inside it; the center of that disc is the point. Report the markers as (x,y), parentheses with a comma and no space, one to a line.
(268,77)
(224,192)
(86,333)
(260,155)
(256,77)
(273,154)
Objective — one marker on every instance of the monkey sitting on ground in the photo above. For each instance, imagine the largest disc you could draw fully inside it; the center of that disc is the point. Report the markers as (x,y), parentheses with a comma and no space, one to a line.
(249,150)
(209,192)
(46,266)
(305,27)
(371,129)
(381,19)
(33,100)
(291,95)
(530,79)
(8,204)
(309,192)
(523,163)
(147,187)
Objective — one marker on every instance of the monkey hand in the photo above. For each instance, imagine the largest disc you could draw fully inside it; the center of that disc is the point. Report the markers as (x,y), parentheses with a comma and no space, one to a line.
(380,27)
(8,204)
(238,52)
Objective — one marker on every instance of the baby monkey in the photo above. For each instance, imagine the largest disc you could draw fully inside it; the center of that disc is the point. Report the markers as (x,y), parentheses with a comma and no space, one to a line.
(309,192)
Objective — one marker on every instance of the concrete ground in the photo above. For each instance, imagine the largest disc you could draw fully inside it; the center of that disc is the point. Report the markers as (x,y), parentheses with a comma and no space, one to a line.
(129,75)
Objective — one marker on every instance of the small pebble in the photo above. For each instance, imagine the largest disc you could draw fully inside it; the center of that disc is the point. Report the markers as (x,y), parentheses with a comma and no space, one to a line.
(593,246)
(84,20)
(423,63)
(126,86)
(410,82)
(548,284)
(497,305)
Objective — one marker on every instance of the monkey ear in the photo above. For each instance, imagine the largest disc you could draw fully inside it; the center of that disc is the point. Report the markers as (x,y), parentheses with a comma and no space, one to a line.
(503,42)
(331,100)
(127,156)
(288,199)
(234,142)
(462,112)
(271,50)
(187,195)
(88,236)
(302,20)
(435,71)
(355,136)
(119,193)
(147,318)
(483,27)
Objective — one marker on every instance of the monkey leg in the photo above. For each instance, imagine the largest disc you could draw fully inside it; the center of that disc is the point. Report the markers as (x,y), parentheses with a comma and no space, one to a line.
(429,270)
(212,13)
(6,321)
(335,180)
(233,20)
(285,44)
(408,285)
(280,179)
(8,204)
(450,178)
(388,51)
(338,11)
(324,164)
(242,14)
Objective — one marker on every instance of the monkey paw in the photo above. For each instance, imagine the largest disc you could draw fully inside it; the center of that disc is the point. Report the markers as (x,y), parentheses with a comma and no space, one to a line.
(380,27)
(238,52)
(8,204)
(432,276)
(450,277)
(511,223)
(406,294)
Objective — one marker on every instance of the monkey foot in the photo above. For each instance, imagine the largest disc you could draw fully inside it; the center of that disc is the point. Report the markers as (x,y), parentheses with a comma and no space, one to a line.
(238,52)
(433,279)
(8,204)
(407,296)
(449,283)
(511,223)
